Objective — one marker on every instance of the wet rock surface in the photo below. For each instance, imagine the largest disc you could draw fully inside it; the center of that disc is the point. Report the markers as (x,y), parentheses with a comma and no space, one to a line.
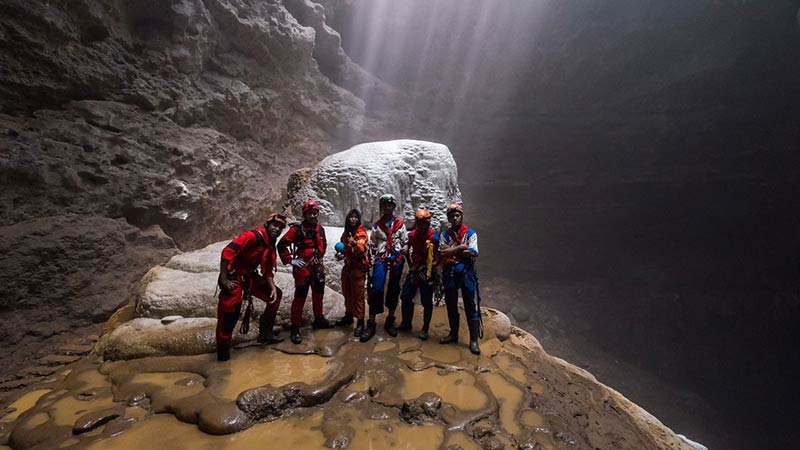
(116,117)
(398,392)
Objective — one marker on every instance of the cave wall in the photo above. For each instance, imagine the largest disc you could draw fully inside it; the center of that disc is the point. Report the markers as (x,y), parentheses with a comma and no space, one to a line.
(123,119)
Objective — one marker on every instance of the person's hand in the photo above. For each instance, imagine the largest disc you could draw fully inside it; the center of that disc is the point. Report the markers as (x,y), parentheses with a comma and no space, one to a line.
(273,295)
(350,240)
(299,263)
(225,282)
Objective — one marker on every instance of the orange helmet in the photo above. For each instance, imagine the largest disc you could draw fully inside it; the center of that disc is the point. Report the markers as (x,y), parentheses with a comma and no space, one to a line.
(309,205)
(422,214)
(275,217)
(452,207)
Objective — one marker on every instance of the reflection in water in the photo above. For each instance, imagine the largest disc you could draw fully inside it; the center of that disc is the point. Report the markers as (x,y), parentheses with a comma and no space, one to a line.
(253,369)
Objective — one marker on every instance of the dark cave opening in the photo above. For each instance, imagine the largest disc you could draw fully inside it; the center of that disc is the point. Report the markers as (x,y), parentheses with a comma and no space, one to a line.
(636,180)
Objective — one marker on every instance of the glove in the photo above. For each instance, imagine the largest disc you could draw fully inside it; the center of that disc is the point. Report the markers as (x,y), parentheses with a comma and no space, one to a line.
(299,263)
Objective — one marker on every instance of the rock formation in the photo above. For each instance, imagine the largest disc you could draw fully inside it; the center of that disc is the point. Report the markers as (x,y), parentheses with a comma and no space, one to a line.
(417,173)
(185,116)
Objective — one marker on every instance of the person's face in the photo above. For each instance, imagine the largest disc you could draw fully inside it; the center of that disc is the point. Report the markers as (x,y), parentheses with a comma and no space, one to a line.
(422,225)
(274,229)
(311,216)
(387,208)
(455,218)
(352,220)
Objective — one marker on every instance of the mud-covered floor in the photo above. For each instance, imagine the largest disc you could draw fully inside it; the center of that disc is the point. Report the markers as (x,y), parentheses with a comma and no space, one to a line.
(332,391)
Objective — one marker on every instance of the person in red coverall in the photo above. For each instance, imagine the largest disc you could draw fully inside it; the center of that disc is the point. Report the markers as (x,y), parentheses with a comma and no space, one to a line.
(238,279)
(308,243)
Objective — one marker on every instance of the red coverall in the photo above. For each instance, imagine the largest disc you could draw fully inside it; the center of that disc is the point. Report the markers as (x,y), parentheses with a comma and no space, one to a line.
(309,245)
(244,254)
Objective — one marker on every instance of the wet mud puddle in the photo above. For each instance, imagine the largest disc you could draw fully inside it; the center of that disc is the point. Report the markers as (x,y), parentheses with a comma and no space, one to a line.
(330,392)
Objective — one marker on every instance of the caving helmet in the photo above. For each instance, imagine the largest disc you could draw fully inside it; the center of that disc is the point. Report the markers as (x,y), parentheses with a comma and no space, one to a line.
(422,214)
(275,217)
(387,198)
(310,205)
(452,207)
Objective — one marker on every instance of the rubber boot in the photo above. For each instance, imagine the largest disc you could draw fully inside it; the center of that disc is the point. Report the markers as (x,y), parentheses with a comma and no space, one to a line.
(474,332)
(265,331)
(453,336)
(388,326)
(344,321)
(369,331)
(359,328)
(295,337)
(427,313)
(407,314)
(223,351)
(322,323)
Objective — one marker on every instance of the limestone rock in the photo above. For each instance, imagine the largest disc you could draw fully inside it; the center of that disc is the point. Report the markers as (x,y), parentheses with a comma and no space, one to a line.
(417,173)
(167,292)
(207,260)
(149,337)
(183,116)
(67,272)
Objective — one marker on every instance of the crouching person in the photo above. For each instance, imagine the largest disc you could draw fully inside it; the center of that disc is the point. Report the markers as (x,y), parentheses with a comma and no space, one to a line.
(239,279)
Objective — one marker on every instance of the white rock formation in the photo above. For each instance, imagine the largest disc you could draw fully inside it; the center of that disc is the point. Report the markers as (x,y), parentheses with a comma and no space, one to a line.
(417,173)
(165,291)
(207,260)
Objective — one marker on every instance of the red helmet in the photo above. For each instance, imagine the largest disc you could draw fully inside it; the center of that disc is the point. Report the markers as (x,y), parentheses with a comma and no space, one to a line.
(422,214)
(452,207)
(309,205)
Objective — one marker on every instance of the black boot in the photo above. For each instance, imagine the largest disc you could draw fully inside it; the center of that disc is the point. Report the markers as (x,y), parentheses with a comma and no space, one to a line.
(223,351)
(265,332)
(345,321)
(359,328)
(369,331)
(407,310)
(474,332)
(321,323)
(427,313)
(388,326)
(295,337)
(453,336)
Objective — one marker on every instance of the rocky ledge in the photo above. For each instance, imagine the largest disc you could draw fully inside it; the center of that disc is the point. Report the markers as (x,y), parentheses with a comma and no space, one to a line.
(335,392)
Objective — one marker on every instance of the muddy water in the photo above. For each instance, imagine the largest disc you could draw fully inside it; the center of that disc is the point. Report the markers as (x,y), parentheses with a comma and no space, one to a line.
(397,393)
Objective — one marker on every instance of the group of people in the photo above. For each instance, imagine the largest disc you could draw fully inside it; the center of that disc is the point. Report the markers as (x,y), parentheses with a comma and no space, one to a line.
(373,264)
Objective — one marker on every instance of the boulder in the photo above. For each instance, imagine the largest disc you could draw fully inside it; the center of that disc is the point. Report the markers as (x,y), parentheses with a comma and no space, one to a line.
(207,260)
(168,292)
(143,337)
(417,173)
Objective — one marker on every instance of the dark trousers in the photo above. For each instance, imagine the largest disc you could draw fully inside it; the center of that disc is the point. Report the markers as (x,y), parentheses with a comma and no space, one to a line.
(380,272)
(410,288)
(467,283)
